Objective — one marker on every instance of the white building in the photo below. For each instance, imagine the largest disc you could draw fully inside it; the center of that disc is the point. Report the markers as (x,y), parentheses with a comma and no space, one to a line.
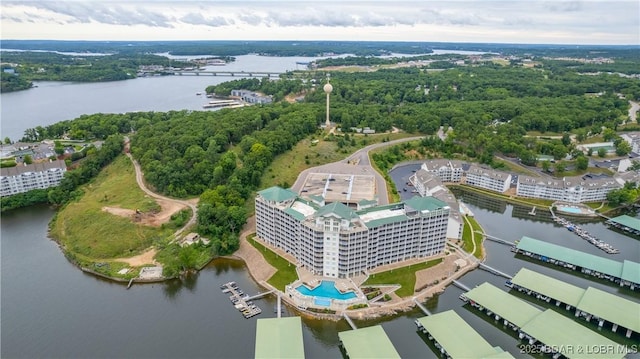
(23,178)
(568,189)
(633,138)
(336,241)
(446,170)
(488,179)
(428,184)
(251,97)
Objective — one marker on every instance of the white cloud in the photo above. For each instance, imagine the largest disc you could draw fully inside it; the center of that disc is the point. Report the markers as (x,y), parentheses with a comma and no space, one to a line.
(613,22)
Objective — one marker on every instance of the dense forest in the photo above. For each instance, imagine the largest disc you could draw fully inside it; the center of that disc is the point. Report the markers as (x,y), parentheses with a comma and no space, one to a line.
(12,82)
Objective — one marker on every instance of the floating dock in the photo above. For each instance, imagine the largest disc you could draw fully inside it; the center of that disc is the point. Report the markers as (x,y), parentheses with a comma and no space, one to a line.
(240,300)
(582,233)
(626,273)
(549,331)
(368,343)
(457,339)
(590,303)
(279,338)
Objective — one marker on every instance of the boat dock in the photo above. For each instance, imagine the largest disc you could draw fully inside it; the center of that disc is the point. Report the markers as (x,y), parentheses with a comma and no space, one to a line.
(496,239)
(626,273)
(582,233)
(590,303)
(460,285)
(550,331)
(223,103)
(370,342)
(240,300)
(455,338)
(626,224)
(279,338)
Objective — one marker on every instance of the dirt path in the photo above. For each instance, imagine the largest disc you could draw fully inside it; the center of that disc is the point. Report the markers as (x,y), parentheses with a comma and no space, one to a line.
(141,259)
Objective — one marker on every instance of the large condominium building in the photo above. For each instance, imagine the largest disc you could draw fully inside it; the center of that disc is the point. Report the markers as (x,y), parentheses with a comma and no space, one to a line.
(446,170)
(333,240)
(23,178)
(429,185)
(488,179)
(568,189)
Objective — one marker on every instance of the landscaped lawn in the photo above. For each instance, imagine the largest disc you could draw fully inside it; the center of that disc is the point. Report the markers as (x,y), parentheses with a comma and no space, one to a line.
(286,272)
(405,276)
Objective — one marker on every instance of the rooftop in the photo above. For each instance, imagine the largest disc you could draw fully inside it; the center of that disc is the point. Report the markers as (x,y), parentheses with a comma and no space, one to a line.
(551,287)
(571,256)
(503,304)
(371,342)
(35,167)
(279,338)
(627,221)
(555,330)
(631,271)
(345,188)
(611,307)
(450,330)
(277,194)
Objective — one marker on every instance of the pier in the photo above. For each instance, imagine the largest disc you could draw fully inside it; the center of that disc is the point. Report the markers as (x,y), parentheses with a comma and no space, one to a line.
(582,233)
(223,103)
(241,301)
(422,307)
(460,285)
(494,271)
(533,211)
(259,295)
(496,239)
(351,323)
(279,306)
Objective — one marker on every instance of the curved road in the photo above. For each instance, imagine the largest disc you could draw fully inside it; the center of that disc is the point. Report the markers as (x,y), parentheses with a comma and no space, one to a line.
(142,186)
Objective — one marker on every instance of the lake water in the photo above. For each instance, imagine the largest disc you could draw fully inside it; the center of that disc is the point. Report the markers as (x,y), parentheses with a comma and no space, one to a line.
(51,309)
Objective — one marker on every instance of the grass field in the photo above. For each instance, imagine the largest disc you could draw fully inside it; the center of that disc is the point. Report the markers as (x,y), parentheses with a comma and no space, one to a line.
(286,272)
(405,276)
(468,240)
(84,229)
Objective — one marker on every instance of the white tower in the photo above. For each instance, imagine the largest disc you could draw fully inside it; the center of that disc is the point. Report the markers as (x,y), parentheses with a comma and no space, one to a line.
(327,89)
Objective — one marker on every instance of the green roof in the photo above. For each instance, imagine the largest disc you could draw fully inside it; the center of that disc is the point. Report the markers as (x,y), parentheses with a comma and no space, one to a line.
(573,339)
(551,287)
(631,271)
(571,256)
(457,337)
(279,338)
(295,214)
(337,208)
(382,221)
(503,304)
(371,342)
(627,221)
(425,203)
(277,194)
(612,308)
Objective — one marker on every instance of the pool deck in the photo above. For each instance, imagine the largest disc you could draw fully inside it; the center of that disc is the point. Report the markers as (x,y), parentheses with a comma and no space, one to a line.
(574,209)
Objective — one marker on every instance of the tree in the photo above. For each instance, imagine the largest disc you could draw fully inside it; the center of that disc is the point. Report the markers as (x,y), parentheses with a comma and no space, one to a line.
(602,152)
(546,165)
(7,141)
(582,163)
(28,160)
(566,139)
(560,167)
(623,148)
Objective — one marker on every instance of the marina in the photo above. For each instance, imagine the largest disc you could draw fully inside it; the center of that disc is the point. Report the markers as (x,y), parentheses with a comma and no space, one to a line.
(223,104)
(586,236)
(369,343)
(279,338)
(626,224)
(241,301)
(626,273)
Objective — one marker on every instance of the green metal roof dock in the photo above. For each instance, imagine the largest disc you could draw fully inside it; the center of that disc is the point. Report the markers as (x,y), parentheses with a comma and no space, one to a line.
(503,304)
(569,338)
(455,337)
(626,223)
(371,342)
(597,266)
(548,286)
(589,303)
(279,338)
(612,308)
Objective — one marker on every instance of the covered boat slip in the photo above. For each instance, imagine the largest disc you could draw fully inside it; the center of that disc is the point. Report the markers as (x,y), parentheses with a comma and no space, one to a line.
(548,286)
(588,302)
(555,331)
(279,338)
(569,338)
(626,223)
(502,304)
(371,342)
(457,338)
(627,272)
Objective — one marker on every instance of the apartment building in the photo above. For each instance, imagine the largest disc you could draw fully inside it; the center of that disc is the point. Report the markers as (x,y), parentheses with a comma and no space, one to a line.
(568,189)
(23,178)
(488,179)
(334,240)
(429,184)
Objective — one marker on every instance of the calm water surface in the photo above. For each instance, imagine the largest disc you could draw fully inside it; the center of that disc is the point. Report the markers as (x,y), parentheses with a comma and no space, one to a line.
(51,309)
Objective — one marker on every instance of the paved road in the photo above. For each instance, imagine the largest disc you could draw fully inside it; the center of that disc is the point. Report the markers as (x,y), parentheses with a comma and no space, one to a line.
(635,107)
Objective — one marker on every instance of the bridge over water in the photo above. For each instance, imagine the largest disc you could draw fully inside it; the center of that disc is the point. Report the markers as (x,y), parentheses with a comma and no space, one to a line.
(227,73)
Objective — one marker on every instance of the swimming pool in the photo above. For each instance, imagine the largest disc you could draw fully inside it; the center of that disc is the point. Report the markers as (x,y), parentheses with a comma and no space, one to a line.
(326,289)
(569,209)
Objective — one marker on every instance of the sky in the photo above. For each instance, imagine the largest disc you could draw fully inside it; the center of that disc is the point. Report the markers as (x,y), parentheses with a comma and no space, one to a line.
(507,21)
